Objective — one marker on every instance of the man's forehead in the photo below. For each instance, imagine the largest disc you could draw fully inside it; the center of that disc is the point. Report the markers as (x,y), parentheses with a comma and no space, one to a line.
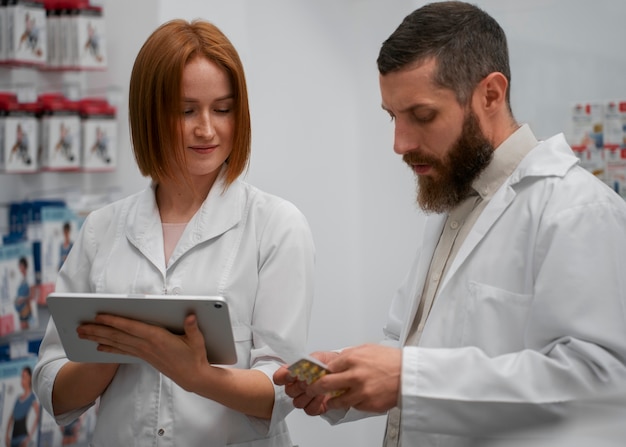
(412,88)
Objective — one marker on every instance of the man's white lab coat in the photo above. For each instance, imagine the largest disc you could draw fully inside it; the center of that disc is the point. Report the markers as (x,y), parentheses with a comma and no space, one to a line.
(529,317)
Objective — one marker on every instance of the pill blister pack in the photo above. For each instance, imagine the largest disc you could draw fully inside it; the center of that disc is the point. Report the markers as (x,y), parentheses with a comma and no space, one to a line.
(308,369)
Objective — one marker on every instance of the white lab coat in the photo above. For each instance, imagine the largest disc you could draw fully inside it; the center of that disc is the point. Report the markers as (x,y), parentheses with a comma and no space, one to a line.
(529,317)
(251,247)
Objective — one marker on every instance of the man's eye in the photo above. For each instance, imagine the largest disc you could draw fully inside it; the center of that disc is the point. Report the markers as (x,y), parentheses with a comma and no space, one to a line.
(425,118)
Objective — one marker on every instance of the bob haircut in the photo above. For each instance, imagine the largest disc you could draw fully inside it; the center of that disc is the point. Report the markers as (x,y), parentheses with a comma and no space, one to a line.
(155,98)
(465,41)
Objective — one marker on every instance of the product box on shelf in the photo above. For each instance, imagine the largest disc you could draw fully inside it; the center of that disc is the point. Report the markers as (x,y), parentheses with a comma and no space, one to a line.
(99,134)
(18,297)
(597,135)
(615,175)
(586,136)
(20,214)
(60,133)
(24,32)
(20,411)
(615,124)
(3,27)
(77,39)
(19,133)
(52,232)
(90,39)
(8,106)
(53,34)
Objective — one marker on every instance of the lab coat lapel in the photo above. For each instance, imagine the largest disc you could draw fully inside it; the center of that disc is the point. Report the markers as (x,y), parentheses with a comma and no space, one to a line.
(143,227)
(494,209)
(550,157)
(221,210)
(432,232)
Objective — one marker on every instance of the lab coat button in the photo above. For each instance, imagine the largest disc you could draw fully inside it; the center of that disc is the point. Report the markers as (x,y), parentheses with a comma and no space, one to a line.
(161,432)
(454,225)
(177,290)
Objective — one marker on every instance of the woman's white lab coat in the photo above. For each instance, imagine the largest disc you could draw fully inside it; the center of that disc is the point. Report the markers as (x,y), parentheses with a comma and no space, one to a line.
(531,314)
(251,247)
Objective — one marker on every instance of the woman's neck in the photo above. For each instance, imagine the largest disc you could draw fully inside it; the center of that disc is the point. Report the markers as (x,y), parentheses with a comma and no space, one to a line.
(178,204)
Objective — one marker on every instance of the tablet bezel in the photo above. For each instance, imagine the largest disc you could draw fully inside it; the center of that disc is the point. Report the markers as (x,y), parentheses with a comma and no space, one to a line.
(69,310)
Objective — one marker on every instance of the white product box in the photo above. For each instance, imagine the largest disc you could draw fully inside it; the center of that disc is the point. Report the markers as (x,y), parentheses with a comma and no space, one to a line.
(615,175)
(18,306)
(19,139)
(90,39)
(19,407)
(99,135)
(615,124)
(3,32)
(53,32)
(26,41)
(60,135)
(586,136)
(52,233)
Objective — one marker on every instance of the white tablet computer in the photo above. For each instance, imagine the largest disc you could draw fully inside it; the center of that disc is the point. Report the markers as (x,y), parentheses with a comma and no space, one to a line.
(69,310)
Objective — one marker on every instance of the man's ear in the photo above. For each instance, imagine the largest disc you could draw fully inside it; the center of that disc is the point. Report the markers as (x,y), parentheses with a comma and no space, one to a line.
(490,93)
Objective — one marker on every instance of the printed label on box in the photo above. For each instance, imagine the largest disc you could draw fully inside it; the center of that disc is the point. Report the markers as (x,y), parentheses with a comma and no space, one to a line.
(20,143)
(18,307)
(20,410)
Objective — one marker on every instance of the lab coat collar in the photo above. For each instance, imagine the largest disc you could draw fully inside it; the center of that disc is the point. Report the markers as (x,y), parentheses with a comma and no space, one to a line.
(220,211)
(552,157)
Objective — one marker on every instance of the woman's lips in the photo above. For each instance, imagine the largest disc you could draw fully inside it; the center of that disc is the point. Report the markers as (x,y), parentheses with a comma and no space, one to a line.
(203,149)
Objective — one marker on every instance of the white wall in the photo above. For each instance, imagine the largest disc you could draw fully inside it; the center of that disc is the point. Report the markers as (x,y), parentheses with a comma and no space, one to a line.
(321,140)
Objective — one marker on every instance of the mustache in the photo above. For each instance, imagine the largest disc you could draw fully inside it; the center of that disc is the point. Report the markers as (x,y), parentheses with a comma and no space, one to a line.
(415,158)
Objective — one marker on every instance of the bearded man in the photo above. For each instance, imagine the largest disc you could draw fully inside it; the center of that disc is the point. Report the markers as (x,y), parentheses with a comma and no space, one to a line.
(513,310)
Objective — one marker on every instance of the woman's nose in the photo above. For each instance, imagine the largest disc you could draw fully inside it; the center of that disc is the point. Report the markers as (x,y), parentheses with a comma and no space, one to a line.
(204,127)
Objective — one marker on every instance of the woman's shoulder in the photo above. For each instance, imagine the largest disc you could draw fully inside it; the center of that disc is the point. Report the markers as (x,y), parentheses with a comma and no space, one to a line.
(261,201)
(113,211)
(275,217)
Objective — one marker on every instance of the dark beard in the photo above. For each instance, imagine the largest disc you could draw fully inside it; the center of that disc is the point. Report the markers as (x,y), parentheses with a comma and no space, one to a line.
(452,184)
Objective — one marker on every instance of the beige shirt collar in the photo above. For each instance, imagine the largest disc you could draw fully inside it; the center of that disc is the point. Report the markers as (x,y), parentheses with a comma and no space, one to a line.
(506,157)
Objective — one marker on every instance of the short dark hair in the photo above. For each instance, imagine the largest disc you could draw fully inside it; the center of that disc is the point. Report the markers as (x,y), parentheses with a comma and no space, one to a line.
(466,42)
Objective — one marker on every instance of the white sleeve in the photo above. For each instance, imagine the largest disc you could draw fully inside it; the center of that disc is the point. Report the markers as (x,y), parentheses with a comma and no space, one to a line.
(284,297)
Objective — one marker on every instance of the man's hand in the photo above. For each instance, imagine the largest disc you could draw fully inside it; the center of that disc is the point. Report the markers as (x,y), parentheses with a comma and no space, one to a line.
(365,377)
(297,389)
